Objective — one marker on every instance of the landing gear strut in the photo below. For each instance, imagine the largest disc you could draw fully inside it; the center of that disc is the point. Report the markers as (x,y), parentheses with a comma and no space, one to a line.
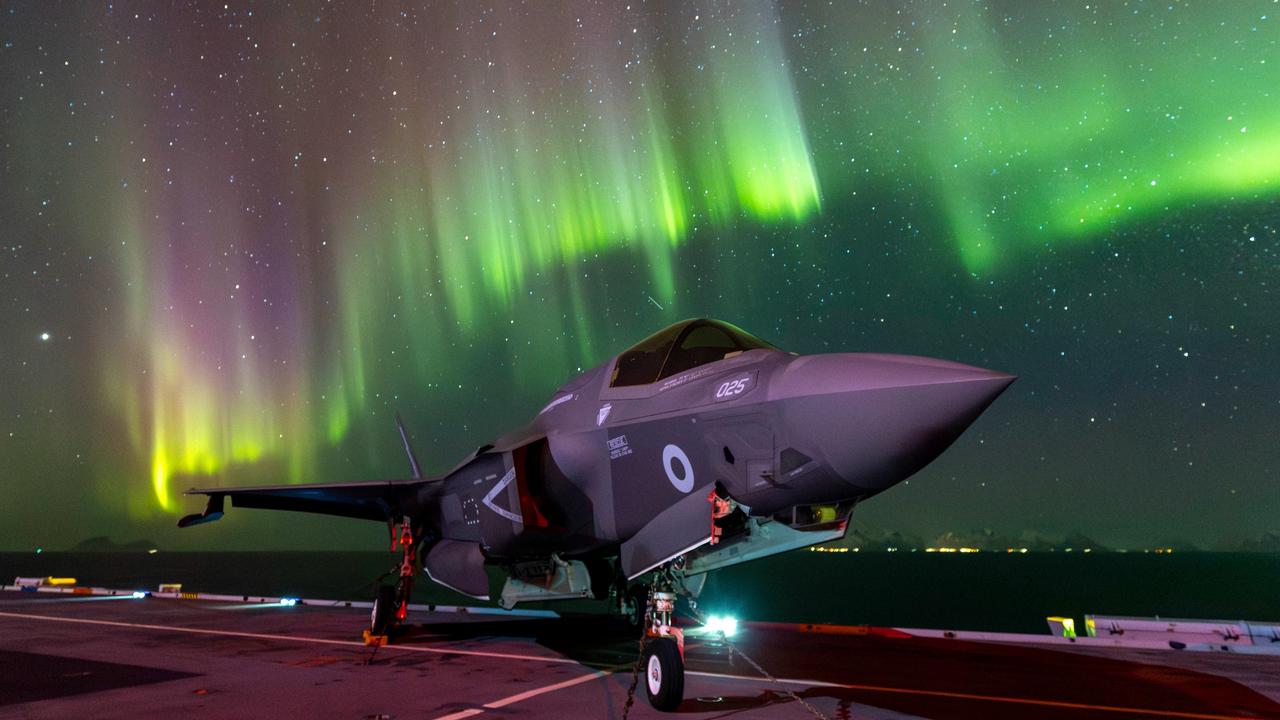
(391,604)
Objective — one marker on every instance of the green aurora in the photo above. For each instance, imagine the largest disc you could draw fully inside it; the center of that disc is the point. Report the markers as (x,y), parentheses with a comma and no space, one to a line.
(301,218)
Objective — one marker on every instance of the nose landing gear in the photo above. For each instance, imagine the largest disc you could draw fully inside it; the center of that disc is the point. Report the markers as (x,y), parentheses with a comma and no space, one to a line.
(661,646)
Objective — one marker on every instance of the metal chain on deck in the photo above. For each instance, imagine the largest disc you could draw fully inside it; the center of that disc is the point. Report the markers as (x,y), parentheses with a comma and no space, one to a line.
(372,654)
(768,676)
(635,669)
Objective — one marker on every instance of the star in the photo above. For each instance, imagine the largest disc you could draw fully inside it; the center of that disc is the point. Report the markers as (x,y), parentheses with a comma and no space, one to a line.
(44,337)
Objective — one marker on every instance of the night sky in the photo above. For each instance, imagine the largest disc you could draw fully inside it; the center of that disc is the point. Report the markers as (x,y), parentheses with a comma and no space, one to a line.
(236,238)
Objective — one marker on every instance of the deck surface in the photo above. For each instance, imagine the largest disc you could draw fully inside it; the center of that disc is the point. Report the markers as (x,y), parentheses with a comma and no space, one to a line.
(64,656)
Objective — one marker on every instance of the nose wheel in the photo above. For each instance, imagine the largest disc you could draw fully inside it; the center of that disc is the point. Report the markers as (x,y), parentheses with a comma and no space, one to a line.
(663,674)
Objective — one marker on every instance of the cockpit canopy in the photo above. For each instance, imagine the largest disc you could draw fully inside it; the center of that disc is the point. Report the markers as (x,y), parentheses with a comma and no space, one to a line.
(680,347)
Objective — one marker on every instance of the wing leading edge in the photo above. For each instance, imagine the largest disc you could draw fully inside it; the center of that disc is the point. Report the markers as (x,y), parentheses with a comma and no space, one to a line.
(375,500)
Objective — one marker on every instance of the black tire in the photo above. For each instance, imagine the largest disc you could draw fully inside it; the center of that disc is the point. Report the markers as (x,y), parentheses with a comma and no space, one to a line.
(663,674)
(384,610)
(601,574)
(639,597)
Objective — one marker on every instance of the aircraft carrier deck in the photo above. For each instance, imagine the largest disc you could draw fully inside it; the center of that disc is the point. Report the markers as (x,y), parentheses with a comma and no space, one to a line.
(81,656)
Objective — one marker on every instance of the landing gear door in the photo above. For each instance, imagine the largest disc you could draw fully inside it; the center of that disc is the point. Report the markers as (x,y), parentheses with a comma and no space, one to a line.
(679,529)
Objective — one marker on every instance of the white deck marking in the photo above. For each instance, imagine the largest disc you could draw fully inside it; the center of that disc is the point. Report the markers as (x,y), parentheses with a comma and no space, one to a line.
(600,673)
(462,714)
(292,638)
(518,697)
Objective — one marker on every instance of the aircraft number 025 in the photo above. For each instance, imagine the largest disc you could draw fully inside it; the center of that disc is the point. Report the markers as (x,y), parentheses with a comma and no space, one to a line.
(730,388)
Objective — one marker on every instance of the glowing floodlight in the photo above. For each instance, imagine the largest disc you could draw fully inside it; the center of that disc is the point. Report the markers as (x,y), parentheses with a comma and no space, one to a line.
(724,624)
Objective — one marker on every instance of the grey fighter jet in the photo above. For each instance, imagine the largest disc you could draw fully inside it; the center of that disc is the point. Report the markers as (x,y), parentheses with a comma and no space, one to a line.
(700,447)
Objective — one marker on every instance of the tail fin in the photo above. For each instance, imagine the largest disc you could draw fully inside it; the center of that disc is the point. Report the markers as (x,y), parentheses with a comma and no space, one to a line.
(408,449)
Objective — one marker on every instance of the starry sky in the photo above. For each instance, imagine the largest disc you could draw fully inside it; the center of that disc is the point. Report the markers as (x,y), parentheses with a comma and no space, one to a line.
(236,238)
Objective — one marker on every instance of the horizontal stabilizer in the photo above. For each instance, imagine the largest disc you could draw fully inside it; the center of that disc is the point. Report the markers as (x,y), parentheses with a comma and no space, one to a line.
(675,531)
(212,511)
(377,500)
(458,566)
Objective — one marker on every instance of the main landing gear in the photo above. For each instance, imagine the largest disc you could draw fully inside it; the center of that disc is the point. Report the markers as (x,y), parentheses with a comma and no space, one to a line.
(384,610)
(391,604)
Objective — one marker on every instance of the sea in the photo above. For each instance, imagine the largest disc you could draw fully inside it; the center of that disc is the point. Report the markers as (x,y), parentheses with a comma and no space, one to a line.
(986,591)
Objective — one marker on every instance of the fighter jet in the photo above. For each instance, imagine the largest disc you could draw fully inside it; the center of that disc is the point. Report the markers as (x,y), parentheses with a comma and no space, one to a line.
(700,447)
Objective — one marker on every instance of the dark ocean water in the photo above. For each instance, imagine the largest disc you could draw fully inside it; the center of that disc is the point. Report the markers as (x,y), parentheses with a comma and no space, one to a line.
(981,591)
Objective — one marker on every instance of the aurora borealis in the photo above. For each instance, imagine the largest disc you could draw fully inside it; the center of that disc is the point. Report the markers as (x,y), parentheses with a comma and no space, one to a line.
(252,232)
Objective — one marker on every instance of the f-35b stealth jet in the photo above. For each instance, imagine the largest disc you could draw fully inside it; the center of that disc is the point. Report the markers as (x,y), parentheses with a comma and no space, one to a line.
(700,447)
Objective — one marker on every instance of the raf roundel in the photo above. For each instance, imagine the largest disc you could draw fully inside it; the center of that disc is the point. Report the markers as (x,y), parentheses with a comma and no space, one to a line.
(683,480)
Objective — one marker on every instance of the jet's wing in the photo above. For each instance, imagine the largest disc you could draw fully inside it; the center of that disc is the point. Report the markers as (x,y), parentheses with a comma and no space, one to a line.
(375,500)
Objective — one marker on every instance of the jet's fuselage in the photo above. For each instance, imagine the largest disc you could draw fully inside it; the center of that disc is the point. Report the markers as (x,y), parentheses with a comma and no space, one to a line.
(770,429)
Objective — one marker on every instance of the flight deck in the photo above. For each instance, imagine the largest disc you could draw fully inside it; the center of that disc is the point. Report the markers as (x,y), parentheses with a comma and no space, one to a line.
(115,657)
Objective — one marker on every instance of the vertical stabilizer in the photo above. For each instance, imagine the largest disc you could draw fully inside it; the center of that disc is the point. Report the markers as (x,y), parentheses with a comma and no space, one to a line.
(408,449)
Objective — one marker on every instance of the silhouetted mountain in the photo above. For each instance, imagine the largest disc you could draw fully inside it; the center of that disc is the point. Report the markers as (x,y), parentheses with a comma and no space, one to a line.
(874,540)
(1079,541)
(102,543)
(987,540)
(1266,542)
(1178,544)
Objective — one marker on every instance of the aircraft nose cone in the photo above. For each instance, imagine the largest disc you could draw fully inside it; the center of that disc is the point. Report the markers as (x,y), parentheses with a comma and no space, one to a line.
(846,372)
(877,419)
